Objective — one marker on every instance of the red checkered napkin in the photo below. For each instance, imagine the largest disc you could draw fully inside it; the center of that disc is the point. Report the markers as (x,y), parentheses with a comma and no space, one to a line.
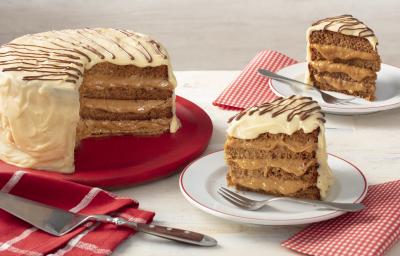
(250,88)
(369,232)
(20,238)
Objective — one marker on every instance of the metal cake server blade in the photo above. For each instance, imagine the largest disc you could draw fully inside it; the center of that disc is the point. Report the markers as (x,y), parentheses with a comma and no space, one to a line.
(59,222)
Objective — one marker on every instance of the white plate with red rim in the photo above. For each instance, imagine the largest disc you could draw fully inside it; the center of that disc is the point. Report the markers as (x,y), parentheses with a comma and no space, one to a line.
(201,179)
(387,91)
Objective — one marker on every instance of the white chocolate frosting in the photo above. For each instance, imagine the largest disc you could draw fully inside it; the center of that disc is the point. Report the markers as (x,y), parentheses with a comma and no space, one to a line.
(40,76)
(286,115)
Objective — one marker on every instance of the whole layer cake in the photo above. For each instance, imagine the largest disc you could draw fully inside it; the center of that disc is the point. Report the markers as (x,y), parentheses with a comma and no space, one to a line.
(59,87)
(342,56)
(279,148)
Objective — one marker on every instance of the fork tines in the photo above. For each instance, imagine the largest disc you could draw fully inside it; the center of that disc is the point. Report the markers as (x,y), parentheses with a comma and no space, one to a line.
(235,198)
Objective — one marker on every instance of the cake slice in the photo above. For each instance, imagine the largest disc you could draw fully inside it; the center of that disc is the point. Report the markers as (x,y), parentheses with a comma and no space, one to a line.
(342,56)
(279,148)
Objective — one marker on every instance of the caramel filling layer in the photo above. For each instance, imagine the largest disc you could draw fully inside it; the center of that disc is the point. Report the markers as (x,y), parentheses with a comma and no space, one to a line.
(295,166)
(294,146)
(101,82)
(356,73)
(331,52)
(284,187)
(86,127)
(125,106)
(342,84)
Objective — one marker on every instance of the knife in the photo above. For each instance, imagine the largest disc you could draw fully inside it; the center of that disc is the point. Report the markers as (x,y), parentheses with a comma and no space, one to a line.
(59,222)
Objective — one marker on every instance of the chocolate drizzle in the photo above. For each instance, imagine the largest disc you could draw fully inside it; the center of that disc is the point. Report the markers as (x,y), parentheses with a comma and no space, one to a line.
(346,22)
(303,107)
(112,41)
(157,47)
(96,43)
(140,47)
(62,55)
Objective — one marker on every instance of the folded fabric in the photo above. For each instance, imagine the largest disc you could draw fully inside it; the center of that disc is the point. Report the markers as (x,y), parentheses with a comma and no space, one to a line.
(251,88)
(369,232)
(19,238)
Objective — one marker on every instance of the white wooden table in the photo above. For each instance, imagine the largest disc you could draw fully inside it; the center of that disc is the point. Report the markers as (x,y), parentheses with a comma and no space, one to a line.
(369,141)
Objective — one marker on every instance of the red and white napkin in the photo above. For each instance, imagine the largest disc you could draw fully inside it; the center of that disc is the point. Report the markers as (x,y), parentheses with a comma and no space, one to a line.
(20,238)
(251,88)
(369,232)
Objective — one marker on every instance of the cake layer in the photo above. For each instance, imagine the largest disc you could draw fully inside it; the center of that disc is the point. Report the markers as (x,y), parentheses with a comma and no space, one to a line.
(341,80)
(329,83)
(100,109)
(127,93)
(253,166)
(310,175)
(297,142)
(277,182)
(89,127)
(110,81)
(347,72)
(333,52)
(307,193)
(356,43)
(276,153)
(361,63)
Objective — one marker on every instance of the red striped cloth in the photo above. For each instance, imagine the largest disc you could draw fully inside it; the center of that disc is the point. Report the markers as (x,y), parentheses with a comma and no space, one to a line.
(20,238)
(369,232)
(250,88)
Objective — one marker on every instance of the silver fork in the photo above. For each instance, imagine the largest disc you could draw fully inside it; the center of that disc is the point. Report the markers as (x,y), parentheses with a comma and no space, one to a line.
(252,205)
(325,96)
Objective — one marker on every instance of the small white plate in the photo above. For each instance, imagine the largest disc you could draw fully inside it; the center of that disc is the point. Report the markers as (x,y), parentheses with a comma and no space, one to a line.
(201,179)
(387,91)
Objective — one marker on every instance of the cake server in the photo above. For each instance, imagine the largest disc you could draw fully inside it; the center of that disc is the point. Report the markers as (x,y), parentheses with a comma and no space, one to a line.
(59,222)
(325,96)
(252,205)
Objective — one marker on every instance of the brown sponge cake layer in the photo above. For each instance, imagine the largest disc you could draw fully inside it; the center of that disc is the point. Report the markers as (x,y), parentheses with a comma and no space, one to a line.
(128,93)
(297,142)
(106,68)
(368,95)
(110,81)
(90,128)
(308,174)
(276,153)
(334,38)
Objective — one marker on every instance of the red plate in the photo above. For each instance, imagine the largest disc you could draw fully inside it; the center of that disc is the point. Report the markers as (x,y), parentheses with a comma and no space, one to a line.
(127,160)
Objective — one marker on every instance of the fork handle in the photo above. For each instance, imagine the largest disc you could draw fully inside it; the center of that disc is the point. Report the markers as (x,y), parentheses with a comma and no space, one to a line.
(279,77)
(175,234)
(347,207)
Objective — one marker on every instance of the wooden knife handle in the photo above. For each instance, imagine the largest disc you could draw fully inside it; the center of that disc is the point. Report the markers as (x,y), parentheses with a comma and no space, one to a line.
(180,235)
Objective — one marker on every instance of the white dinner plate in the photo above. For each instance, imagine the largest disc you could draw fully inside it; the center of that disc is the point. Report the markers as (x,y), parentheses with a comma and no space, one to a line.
(387,91)
(201,179)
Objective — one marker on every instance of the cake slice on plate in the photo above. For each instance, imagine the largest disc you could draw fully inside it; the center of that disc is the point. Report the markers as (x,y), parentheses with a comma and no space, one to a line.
(279,148)
(342,56)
